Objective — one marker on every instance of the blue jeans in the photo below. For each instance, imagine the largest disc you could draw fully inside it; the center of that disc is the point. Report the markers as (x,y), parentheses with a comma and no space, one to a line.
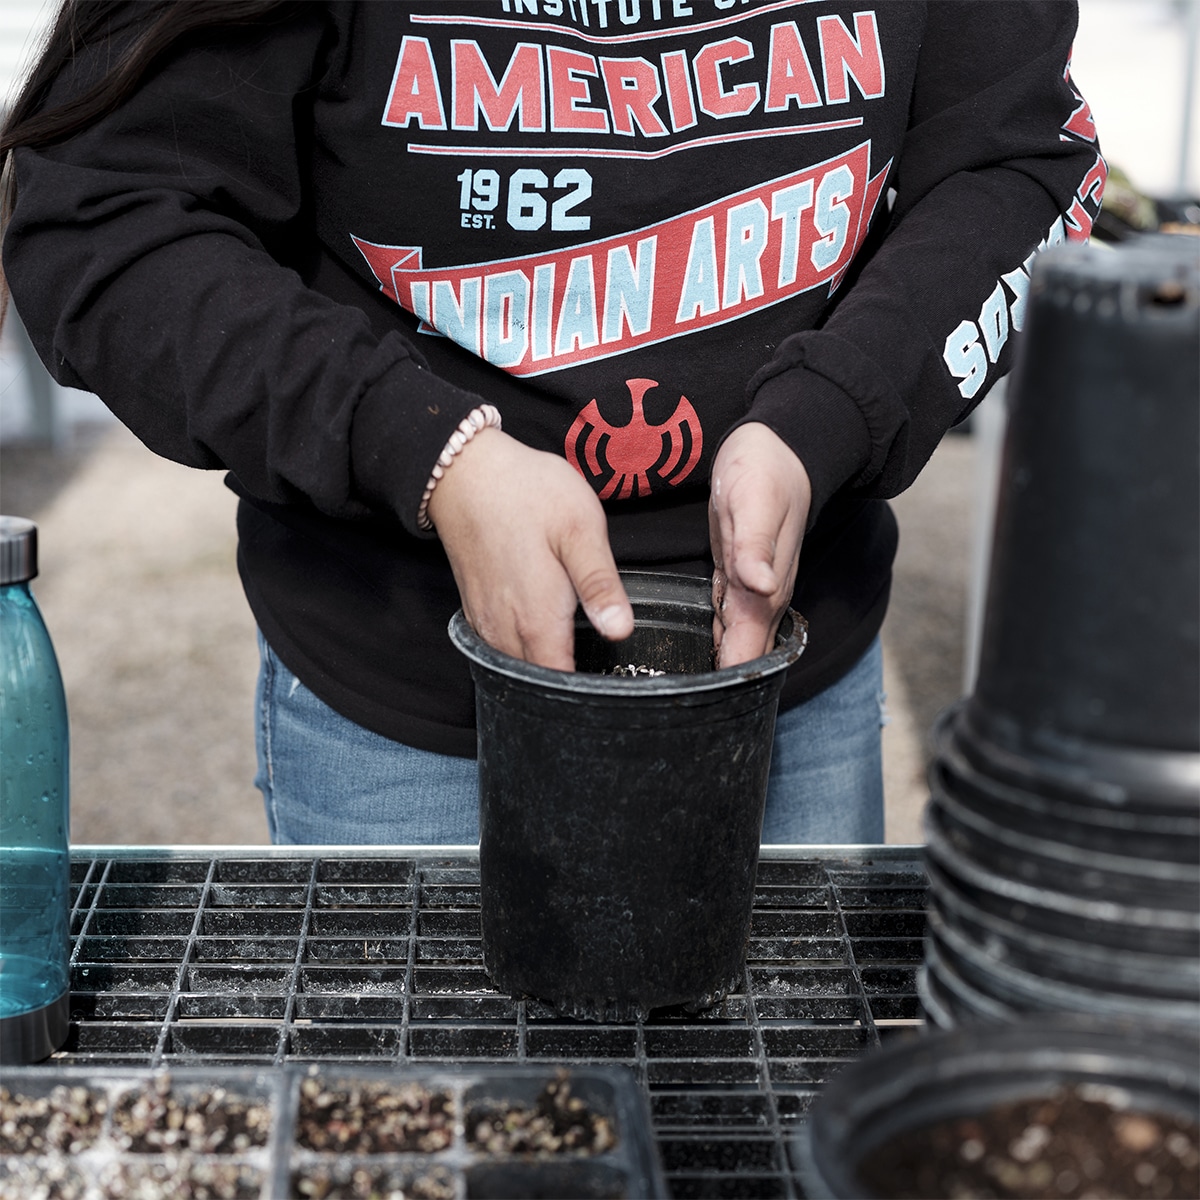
(327,781)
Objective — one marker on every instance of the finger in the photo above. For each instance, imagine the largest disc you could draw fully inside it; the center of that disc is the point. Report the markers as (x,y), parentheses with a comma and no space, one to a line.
(752,561)
(749,623)
(530,615)
(722,536)
(547,637)
(720,524)
(751,524)
(744,528)
(719,585)
(593,574)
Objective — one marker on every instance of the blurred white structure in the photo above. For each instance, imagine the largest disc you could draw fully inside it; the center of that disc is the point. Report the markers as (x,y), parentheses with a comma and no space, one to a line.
(32,406)
(1136,62)
(21,25)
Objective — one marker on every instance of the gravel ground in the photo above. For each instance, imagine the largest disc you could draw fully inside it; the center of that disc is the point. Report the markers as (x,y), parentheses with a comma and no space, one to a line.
(139,588)
(156,643)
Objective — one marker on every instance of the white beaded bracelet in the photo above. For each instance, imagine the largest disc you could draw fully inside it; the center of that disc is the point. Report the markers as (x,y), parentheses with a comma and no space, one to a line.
(478,418)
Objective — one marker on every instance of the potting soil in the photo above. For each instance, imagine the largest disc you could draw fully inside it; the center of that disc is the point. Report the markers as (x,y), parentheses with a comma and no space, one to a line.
(1077,1142)
(634,670)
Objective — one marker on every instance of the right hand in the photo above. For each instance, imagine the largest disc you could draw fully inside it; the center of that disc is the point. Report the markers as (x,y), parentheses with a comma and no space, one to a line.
(526,537)
(758,509)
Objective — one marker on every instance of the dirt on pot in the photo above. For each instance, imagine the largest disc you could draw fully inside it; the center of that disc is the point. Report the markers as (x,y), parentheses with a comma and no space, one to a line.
(1082,1142)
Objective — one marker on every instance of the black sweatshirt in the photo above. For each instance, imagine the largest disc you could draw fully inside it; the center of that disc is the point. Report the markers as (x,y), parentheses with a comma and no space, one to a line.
(302,251)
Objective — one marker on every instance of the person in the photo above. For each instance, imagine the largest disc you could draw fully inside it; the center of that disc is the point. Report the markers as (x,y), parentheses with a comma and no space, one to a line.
(479,304)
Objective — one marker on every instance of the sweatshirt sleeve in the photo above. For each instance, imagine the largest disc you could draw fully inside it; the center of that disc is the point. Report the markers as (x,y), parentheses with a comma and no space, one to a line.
(157,260)
(999,158)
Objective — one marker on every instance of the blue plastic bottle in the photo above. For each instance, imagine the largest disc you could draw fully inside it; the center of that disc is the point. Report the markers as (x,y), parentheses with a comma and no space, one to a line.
(34,806)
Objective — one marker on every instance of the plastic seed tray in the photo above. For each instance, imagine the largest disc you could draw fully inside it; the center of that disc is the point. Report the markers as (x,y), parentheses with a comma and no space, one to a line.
(326,1131)
(262,958)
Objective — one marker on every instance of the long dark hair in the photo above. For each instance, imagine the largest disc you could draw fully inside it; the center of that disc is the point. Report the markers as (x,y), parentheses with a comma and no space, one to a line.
(79,22)
(153,30)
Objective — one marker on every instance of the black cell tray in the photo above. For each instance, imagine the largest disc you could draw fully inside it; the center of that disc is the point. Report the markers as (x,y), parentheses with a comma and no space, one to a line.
(260,957)
(277,1165)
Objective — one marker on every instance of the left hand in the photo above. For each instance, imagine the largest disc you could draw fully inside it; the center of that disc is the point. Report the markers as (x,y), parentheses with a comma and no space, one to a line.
(757,514)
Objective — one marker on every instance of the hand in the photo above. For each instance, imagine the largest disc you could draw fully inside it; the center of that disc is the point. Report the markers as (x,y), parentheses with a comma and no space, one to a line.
(757,513)
(526,536)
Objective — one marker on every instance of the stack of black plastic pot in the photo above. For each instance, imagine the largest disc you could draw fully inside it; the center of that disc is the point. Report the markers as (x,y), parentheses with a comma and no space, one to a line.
(1063,833)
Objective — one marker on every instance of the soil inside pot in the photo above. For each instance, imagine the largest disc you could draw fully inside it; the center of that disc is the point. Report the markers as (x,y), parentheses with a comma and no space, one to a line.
(155,1120)
(66,1120)
(41,1134)
(670,645)
(180,1177)
(366,1182)
(1082,1141)
(557,1123)
(374,1118)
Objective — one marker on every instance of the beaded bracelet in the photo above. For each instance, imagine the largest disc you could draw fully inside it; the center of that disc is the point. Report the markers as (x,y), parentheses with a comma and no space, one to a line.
(478,418)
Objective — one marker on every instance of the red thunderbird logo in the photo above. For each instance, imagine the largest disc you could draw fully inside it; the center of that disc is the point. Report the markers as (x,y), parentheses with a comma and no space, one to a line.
(628,454)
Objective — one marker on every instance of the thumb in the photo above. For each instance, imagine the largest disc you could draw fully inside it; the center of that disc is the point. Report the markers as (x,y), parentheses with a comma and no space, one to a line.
(752,558)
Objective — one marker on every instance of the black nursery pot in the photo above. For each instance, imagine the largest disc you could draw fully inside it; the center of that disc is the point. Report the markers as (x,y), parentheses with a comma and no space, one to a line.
(620,817)
(970,1074)
(1086,814)
(1090,656)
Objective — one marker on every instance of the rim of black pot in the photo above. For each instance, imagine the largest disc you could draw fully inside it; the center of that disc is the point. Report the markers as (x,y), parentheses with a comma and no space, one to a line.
(953,747)
(1048,852)
(930,1077)
(1035,896)
(961,996)
(790,643)
(1023,989)
(987,928)
(1043,760)
(936,1009)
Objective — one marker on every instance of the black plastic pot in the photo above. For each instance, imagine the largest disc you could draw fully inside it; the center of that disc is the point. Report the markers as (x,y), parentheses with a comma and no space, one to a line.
(1090,654)
(949,1000)
(1059,903)
(1048,861)
(1085,817)
(1017,990)
(1158,783)
(1057,913)
(1079,960)
(620,817)
(966,1072)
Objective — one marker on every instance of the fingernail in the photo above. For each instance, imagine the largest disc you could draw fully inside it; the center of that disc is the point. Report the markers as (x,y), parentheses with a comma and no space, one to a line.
(605,619)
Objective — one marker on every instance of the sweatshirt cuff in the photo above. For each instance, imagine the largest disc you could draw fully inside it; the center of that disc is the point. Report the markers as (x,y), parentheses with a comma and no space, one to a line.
(402,423)
(822,425)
